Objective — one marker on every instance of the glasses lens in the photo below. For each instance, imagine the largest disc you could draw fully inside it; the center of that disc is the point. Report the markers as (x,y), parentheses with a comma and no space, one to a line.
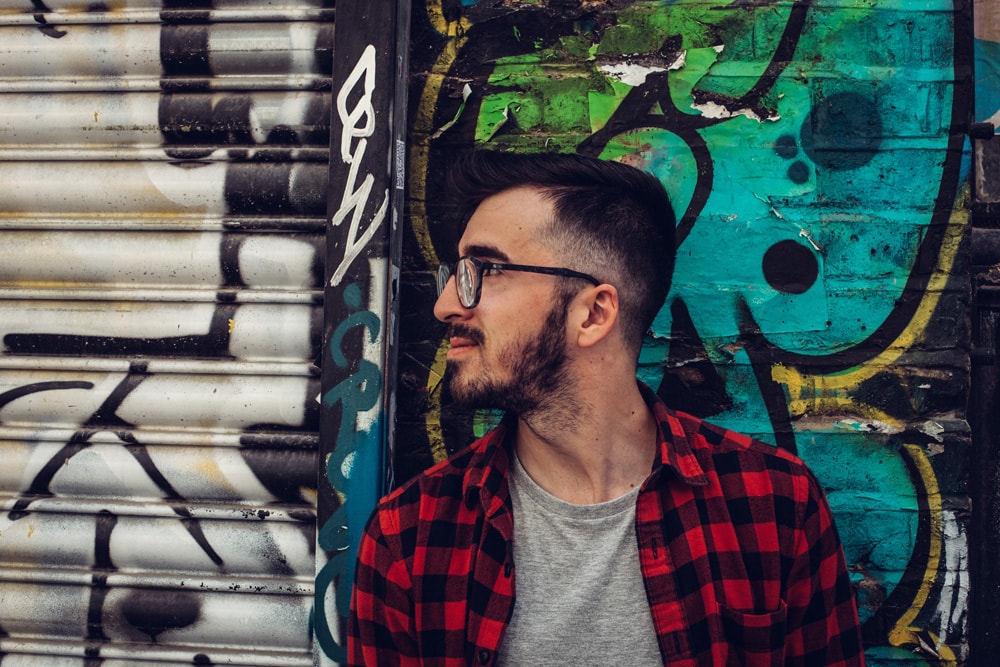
(444,273)
(466,282)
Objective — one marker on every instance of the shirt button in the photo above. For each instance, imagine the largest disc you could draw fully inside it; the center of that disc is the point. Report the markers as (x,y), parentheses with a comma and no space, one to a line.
(484,657)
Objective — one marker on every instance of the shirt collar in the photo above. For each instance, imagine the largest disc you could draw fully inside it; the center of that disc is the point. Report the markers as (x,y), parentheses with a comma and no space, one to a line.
(486,476)
(676,452)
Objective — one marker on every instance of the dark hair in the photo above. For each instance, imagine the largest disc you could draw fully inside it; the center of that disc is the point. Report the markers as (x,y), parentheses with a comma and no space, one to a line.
(614,221)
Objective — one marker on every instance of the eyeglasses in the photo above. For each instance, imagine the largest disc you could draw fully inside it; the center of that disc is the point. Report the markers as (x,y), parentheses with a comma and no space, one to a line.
(468,272)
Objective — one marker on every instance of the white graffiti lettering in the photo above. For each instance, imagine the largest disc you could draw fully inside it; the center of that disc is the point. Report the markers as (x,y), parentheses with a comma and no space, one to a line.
(358,123)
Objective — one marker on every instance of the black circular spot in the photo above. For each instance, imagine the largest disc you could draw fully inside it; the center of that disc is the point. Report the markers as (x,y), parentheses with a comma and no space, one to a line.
(790,267)
(798,172)
(786,146)
(153,611)
(843,131)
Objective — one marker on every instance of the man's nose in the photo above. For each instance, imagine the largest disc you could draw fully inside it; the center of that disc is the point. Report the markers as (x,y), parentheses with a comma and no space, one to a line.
(447,307)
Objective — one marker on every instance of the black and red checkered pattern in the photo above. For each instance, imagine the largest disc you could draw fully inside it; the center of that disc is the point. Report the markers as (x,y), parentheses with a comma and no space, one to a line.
(740,556)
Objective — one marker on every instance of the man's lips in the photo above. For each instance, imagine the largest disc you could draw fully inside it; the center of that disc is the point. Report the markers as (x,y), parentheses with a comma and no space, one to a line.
(460,345)
(463,339)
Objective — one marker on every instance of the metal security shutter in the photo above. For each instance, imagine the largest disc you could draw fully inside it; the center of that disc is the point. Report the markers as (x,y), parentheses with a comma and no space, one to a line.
(163,172)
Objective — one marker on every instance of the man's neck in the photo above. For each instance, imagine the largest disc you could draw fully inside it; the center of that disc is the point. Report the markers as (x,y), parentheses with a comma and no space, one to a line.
(599,453)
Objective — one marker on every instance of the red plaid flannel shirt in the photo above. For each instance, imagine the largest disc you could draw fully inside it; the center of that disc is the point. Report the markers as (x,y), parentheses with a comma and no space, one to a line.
(737,546)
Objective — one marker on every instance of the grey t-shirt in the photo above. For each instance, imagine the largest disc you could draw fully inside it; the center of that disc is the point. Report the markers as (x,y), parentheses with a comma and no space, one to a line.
(580,599)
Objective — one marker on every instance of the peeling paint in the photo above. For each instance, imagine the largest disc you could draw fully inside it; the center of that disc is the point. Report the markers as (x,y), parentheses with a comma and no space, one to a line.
(634,70)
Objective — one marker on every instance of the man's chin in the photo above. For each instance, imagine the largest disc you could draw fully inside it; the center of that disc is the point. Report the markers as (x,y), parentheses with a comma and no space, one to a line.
(464,396)
(469,394)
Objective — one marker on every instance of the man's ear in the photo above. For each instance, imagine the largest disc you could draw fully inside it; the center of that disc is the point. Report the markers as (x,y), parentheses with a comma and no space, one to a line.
(598,314)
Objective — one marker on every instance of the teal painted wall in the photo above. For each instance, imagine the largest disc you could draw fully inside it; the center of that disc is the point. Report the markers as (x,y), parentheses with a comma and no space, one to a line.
(815,152)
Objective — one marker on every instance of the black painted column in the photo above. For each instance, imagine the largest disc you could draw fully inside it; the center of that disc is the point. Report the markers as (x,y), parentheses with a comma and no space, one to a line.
(360,296)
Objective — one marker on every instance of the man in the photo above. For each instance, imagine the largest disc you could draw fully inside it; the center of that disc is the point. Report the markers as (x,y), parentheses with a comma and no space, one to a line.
(594,526)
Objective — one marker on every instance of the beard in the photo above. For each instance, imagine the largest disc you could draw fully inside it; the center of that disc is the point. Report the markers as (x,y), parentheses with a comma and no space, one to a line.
(537,370)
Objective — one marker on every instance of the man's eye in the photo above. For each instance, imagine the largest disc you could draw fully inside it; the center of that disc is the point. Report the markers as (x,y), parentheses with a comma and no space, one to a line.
(490,270)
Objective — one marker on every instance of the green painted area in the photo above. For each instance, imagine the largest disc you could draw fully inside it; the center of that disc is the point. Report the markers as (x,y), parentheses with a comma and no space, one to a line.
(827,157)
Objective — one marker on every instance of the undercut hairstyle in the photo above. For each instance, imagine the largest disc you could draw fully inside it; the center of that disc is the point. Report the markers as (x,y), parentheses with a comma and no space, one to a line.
(612,221)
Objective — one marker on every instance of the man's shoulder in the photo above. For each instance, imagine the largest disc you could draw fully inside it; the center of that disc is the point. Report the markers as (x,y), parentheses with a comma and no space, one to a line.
(720,444)
(707,442)
(447,479)
(739,467)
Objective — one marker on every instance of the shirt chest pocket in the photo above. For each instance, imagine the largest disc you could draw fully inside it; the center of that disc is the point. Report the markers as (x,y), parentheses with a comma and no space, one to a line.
(755,639)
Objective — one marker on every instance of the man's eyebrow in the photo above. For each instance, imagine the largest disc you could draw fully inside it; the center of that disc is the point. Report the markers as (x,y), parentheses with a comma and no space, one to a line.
(486,252)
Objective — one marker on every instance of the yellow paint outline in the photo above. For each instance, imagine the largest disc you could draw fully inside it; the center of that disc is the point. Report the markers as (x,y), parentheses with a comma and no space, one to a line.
(434,378)
(422,126)
(823,387)
(903,633)
(817,394)
(419,156)
(838,405)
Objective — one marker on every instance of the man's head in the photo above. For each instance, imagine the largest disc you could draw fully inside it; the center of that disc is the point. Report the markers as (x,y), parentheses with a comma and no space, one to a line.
(611,221)
(544,236)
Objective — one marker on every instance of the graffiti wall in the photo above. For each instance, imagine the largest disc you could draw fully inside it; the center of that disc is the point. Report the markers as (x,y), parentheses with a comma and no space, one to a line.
(162,225)
(361,296)
(814,151)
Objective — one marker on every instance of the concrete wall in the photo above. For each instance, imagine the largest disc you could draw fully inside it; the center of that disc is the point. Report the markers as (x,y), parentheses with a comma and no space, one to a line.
(814,151)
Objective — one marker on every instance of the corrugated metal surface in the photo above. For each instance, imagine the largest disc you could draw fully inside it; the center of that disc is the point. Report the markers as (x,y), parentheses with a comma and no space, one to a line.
(163,171)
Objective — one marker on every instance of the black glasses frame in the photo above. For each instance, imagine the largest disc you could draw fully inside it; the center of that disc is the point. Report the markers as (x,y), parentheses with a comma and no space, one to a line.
(470,292)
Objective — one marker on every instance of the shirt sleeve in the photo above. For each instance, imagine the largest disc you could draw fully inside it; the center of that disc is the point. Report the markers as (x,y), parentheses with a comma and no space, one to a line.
(823,626)
(380,626)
